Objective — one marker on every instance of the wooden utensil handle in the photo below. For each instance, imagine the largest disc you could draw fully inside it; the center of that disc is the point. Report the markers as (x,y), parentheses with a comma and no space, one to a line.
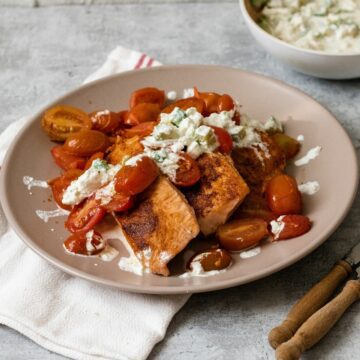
(319,324)
(313,300)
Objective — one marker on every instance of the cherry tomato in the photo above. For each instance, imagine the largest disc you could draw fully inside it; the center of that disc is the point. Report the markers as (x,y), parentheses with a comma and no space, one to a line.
(105,121)
(294,225)
(135,179)
(61,183)
(184,104)
(242,234)
(120,202)
(147,95)
(65,160)
(225,103)
(85,244)
(86,142)
(141,130)
(283,196)
(60,121)
(224,139)
(212,259)
(210,99)
(287,144)
(188,172)
(142,113)
(98,155)
(85,216)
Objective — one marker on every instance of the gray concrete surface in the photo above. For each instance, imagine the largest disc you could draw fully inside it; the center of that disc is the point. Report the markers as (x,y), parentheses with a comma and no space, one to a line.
(45,52)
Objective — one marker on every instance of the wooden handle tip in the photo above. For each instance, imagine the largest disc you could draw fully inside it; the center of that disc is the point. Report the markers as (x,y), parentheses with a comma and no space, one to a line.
(288,351)
(279,335)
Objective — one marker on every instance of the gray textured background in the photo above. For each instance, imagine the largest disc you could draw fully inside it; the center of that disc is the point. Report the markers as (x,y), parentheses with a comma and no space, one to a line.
(45,52)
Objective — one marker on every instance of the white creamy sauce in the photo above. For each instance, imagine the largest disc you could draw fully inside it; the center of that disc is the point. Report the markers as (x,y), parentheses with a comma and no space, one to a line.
(326,25)
(106,193)
(171,95)
(187,93)
(311,155)
(309,188)
(300,138)
(198,271)
(102,113)
(108,254)
(250,253)
(131,264)
(30,182)
(277,226)
(45,215)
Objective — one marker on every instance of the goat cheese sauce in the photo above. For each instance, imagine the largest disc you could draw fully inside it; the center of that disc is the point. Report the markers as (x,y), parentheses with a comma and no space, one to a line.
(325,25)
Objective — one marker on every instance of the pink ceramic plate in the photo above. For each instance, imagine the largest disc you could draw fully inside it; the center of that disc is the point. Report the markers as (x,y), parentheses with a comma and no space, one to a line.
(335,169)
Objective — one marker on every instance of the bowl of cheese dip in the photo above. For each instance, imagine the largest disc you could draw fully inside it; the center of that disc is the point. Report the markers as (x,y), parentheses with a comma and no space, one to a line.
(316,37)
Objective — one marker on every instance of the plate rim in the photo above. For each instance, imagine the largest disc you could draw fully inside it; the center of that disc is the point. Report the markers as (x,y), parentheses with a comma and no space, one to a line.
(191,288)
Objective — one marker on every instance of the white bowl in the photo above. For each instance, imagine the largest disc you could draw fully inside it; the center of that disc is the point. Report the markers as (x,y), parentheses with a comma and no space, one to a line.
(315,63)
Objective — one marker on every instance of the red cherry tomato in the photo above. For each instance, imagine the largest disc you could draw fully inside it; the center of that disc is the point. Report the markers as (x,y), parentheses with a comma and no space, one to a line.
(294,225)
(210,99)
(98,155)
(135,179)
(224,139)
(141,113)
(147,95)
(225,103)
(85,216)
(283,196)
(105,121)
(184,104)
(80,243)
(120,202)
(242,234)
(188,172)
(141,130)
(65,160)
(61,183)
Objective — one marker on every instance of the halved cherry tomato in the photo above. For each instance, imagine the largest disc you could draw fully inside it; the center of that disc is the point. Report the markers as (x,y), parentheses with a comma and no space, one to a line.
(120,202)
(242,234)
(142,113)
(85,244)
(60,121)
(61,183)
(65,160)
(225,103)
(283,196)
(188,172)
(224,139)
(85,216)
(212,259)
(184,104)
(287,144)
(293,226)
(135,179)
(98,155)
(147,95)
(141,130)
(105,121)
(210,99)
(86,142)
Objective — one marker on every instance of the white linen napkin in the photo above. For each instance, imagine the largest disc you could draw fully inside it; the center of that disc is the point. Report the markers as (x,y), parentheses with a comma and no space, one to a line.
(68,315)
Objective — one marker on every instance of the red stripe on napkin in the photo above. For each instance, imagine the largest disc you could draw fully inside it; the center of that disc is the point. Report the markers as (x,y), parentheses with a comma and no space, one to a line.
(140,61)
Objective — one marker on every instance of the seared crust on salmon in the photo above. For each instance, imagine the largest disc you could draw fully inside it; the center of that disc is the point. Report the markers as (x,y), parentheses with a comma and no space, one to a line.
(160,226)
(219,192)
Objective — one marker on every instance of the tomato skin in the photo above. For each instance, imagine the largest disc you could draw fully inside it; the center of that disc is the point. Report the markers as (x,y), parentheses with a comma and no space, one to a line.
(86,142)
(141,113)
(105,121)
(224,139)
(76,243)
(184,104)
(85,216)
(225,103)
(188,172)
(242,234)
(120,202)
(141,130)
(287,144)
(210,99)
(147,95)
(135,179)
(62,120)
(61,183)
(283,196)
(294,226)
(99,155)
(65,160)
(212,259)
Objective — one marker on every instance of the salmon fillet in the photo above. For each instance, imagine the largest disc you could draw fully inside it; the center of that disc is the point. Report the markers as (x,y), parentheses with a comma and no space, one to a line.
(160,226)
(219,192)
